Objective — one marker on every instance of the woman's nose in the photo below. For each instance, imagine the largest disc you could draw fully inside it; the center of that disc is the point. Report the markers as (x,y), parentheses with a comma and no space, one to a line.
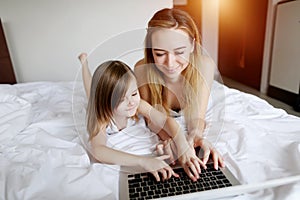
(171,60)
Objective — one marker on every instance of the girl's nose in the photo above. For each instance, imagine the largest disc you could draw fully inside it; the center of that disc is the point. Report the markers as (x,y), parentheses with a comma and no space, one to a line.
(130,101)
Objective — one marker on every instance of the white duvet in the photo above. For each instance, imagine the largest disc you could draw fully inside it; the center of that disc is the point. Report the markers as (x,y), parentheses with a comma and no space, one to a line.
(43,143)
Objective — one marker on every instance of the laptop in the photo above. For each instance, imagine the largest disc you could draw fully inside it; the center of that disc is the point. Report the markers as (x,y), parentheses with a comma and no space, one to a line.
(136,184)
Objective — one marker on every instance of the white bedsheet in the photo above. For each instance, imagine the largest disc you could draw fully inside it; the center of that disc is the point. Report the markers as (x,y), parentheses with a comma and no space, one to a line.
(43,157)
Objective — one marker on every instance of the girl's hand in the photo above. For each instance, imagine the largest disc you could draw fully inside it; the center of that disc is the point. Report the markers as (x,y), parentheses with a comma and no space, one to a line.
(167,147)
(157,165)
(208,150)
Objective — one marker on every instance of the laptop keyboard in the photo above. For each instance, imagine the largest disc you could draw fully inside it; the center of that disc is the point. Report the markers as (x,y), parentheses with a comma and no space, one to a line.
(144,185)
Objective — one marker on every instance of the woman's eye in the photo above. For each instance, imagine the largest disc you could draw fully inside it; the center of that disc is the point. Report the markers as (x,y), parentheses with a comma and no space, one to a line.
(179,53)
(134,94)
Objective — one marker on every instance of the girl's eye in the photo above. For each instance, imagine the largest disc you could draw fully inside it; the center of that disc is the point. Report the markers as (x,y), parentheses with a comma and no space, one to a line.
(159,54)
(134,94)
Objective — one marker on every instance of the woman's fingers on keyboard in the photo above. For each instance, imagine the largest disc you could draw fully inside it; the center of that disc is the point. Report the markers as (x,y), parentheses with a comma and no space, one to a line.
(156,175)
(198,160)
(221,161)
(218,159)
(175,174)
(206,155)
(196,164)
(189,173)
(194,169)
(163,174)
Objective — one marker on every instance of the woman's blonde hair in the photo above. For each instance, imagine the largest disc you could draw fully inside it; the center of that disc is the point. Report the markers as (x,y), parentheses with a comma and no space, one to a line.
(174,19)
(109,84)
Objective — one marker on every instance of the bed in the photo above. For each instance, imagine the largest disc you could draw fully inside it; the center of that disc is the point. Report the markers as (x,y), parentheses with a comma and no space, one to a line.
(44,151)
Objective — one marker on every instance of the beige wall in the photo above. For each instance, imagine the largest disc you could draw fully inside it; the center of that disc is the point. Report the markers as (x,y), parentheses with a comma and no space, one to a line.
(210,27)
(45,36)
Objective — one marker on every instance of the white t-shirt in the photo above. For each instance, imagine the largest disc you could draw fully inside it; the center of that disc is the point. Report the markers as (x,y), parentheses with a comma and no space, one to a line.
(136,138)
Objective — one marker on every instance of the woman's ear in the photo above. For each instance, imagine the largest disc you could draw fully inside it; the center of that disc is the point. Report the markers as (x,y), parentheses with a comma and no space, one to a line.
(193,46)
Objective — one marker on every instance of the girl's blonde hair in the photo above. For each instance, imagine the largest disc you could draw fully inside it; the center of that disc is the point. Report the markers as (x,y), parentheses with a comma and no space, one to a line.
(174,19)
(109,84)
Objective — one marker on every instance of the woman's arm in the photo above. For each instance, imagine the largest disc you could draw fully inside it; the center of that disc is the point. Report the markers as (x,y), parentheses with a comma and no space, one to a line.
(163,122)
(166,127)
(108,155)
(86,74)
(196,124)
(186,154)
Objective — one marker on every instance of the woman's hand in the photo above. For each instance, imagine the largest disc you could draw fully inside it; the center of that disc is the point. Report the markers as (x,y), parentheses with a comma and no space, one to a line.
(186,156)
(191,163)
(157,165)
(208,150)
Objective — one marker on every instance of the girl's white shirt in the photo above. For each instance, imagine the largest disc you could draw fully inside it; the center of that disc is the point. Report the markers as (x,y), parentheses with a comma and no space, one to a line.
(136,138)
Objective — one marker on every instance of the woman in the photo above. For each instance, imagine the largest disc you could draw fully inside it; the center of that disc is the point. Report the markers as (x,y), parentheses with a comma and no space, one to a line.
(176,77)
(114,106)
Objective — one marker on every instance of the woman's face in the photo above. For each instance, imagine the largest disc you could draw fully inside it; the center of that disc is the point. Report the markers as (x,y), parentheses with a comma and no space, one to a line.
(171,50)
(129,103)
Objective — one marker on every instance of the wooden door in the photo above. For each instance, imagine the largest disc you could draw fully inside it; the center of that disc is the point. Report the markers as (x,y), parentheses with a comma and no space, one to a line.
(6,69)
(193,8)
(242,25)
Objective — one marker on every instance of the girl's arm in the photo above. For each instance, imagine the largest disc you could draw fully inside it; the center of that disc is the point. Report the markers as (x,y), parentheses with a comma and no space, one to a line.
(140,72)
(107,155)
(86,74)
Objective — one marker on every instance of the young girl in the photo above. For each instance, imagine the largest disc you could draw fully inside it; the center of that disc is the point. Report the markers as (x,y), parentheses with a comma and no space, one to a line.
(176,75)
(114,103)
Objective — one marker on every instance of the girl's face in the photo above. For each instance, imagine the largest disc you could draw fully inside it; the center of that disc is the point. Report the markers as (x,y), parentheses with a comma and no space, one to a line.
(171,50)
(129,103)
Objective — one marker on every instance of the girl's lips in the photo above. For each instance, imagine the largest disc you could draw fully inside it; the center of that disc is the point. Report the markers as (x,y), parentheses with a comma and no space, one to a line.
(132,108)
